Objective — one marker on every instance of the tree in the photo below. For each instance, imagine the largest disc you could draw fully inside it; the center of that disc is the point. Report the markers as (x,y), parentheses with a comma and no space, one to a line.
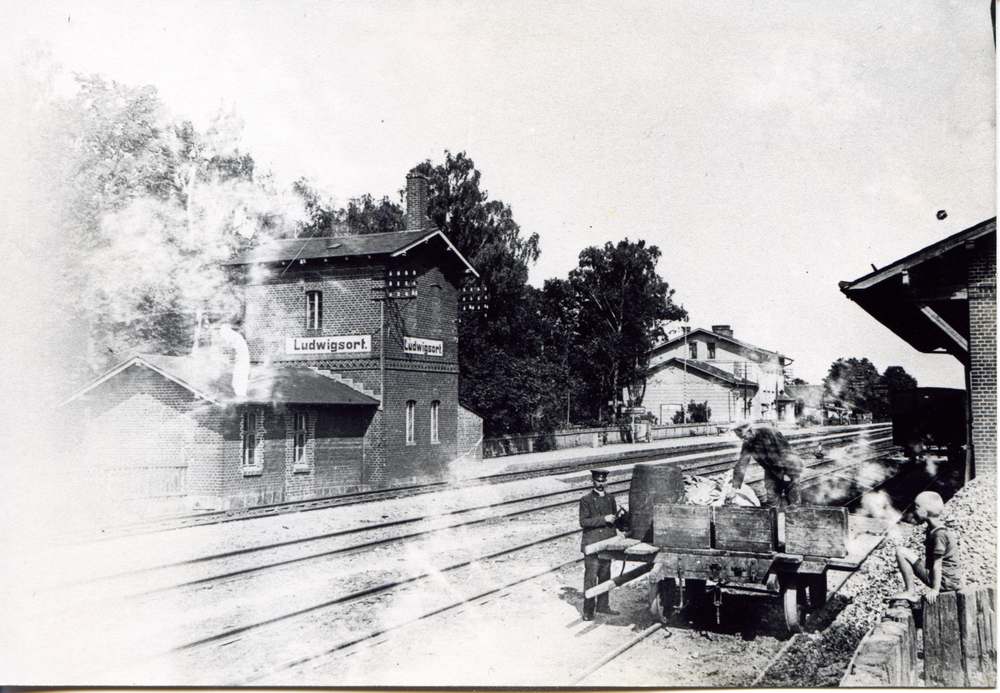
(857,383)
(894,379)
(852,382)
(152,207)
(362,215)
(696,413)
(618,303)
(505,371)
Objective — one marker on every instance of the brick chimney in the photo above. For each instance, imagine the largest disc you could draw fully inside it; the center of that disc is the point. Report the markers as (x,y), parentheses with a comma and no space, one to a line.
(416,201)
(724,330)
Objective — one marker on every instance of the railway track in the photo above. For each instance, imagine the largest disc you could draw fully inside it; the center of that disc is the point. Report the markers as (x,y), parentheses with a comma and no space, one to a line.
(225,637)
(699,464)
(720,451)
(800,643)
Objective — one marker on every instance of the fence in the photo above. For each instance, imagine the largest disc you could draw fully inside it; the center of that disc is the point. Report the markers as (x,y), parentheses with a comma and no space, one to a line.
(591,438)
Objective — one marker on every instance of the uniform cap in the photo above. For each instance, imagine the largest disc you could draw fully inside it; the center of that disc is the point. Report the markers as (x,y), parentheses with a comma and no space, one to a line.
(599,473)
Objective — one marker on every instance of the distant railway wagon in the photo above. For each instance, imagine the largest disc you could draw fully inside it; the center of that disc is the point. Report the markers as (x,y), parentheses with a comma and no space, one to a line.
(929,419)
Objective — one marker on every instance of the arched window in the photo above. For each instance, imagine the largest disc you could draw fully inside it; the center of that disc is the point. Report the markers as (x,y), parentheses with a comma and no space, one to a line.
(411,413)
(435,407)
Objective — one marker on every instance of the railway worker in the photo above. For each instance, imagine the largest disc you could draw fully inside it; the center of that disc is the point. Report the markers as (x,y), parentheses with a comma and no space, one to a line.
(939,567)
(782,466)
(597,517)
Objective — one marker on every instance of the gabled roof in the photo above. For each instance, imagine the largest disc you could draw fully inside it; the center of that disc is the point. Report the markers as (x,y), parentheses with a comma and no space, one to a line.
(266,385)
(663,346)
(923,297)
(705,369)
(394,244)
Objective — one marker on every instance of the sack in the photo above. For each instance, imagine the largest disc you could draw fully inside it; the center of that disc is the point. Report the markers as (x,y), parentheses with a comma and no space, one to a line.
(700,490)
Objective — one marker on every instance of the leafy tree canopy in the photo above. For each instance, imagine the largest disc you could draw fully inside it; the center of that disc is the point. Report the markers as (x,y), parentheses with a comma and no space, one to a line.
(856,383)
(618,301)
(151,207)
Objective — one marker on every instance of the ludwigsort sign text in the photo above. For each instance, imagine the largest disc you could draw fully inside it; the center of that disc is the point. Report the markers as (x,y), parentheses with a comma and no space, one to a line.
(423,347)
(349,344)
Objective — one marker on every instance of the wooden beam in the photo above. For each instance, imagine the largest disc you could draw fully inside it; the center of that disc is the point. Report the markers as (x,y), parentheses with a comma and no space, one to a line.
(941,293)
(961,341)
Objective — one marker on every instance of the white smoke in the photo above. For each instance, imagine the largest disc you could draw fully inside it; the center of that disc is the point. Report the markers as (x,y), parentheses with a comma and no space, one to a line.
(241,362)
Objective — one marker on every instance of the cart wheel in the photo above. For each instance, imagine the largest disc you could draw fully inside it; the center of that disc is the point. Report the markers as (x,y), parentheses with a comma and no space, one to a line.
(790,602)
(817,591)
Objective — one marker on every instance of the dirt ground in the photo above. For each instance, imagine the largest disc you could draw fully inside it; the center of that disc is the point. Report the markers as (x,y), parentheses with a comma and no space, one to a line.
(528,635)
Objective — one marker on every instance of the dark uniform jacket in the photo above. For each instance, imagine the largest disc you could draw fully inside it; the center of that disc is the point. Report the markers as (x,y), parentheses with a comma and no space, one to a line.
(771,450)
(593,508)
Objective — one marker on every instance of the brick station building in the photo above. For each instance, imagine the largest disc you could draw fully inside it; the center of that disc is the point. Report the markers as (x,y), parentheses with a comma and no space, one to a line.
(345,379)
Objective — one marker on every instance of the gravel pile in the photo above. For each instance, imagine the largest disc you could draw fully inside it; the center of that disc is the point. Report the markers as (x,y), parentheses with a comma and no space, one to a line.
(819,660)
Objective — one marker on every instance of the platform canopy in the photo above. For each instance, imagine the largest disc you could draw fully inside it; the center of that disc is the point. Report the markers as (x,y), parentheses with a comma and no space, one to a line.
(924,297)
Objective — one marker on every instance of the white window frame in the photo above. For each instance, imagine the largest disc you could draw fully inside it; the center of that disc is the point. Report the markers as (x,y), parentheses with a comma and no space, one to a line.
(435,416)
(314,310)
(250,441)
(300,437)
(411,417)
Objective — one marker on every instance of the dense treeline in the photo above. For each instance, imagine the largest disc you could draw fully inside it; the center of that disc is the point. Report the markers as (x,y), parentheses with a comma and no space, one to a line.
(142,208)
(857,385)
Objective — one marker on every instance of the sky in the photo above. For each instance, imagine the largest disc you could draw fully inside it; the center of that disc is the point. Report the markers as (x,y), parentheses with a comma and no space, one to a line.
(768,149)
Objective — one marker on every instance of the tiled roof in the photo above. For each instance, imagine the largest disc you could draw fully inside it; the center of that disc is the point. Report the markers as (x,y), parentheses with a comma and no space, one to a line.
(266,385)
(395,243)
(716,335)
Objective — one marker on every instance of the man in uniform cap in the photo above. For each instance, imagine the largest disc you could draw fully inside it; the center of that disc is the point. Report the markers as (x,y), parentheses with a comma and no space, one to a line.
(782,467)
(597,517)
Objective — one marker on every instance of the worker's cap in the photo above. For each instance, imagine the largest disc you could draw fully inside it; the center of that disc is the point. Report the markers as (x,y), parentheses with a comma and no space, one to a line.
(740,426)
(599,474)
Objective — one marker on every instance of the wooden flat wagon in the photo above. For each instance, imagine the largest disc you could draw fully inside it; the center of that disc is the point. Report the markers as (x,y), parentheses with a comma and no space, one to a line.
(703,550)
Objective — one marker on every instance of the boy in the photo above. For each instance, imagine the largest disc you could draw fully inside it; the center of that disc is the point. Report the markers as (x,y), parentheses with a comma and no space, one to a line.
(939,568)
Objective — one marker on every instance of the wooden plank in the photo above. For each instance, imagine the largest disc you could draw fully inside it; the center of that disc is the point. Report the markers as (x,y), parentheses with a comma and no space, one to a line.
(682,526)
(615,543)
(816,531)
(744,529)
(642,549)
(977,613)
(908,645)
(943,643)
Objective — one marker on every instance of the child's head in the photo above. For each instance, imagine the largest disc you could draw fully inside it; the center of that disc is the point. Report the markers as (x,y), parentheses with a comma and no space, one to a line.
(928,504)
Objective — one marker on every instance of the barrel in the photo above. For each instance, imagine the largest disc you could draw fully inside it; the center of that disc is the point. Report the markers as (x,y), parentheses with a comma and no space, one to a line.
(651,484)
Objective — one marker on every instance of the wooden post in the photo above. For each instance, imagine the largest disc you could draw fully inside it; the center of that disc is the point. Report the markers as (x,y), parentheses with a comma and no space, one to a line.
(978,622)
(943,643)
(911,664)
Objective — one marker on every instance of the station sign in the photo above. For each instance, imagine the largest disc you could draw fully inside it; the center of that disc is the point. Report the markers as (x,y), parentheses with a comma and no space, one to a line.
(340,344)
(633,410)
(423,347)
